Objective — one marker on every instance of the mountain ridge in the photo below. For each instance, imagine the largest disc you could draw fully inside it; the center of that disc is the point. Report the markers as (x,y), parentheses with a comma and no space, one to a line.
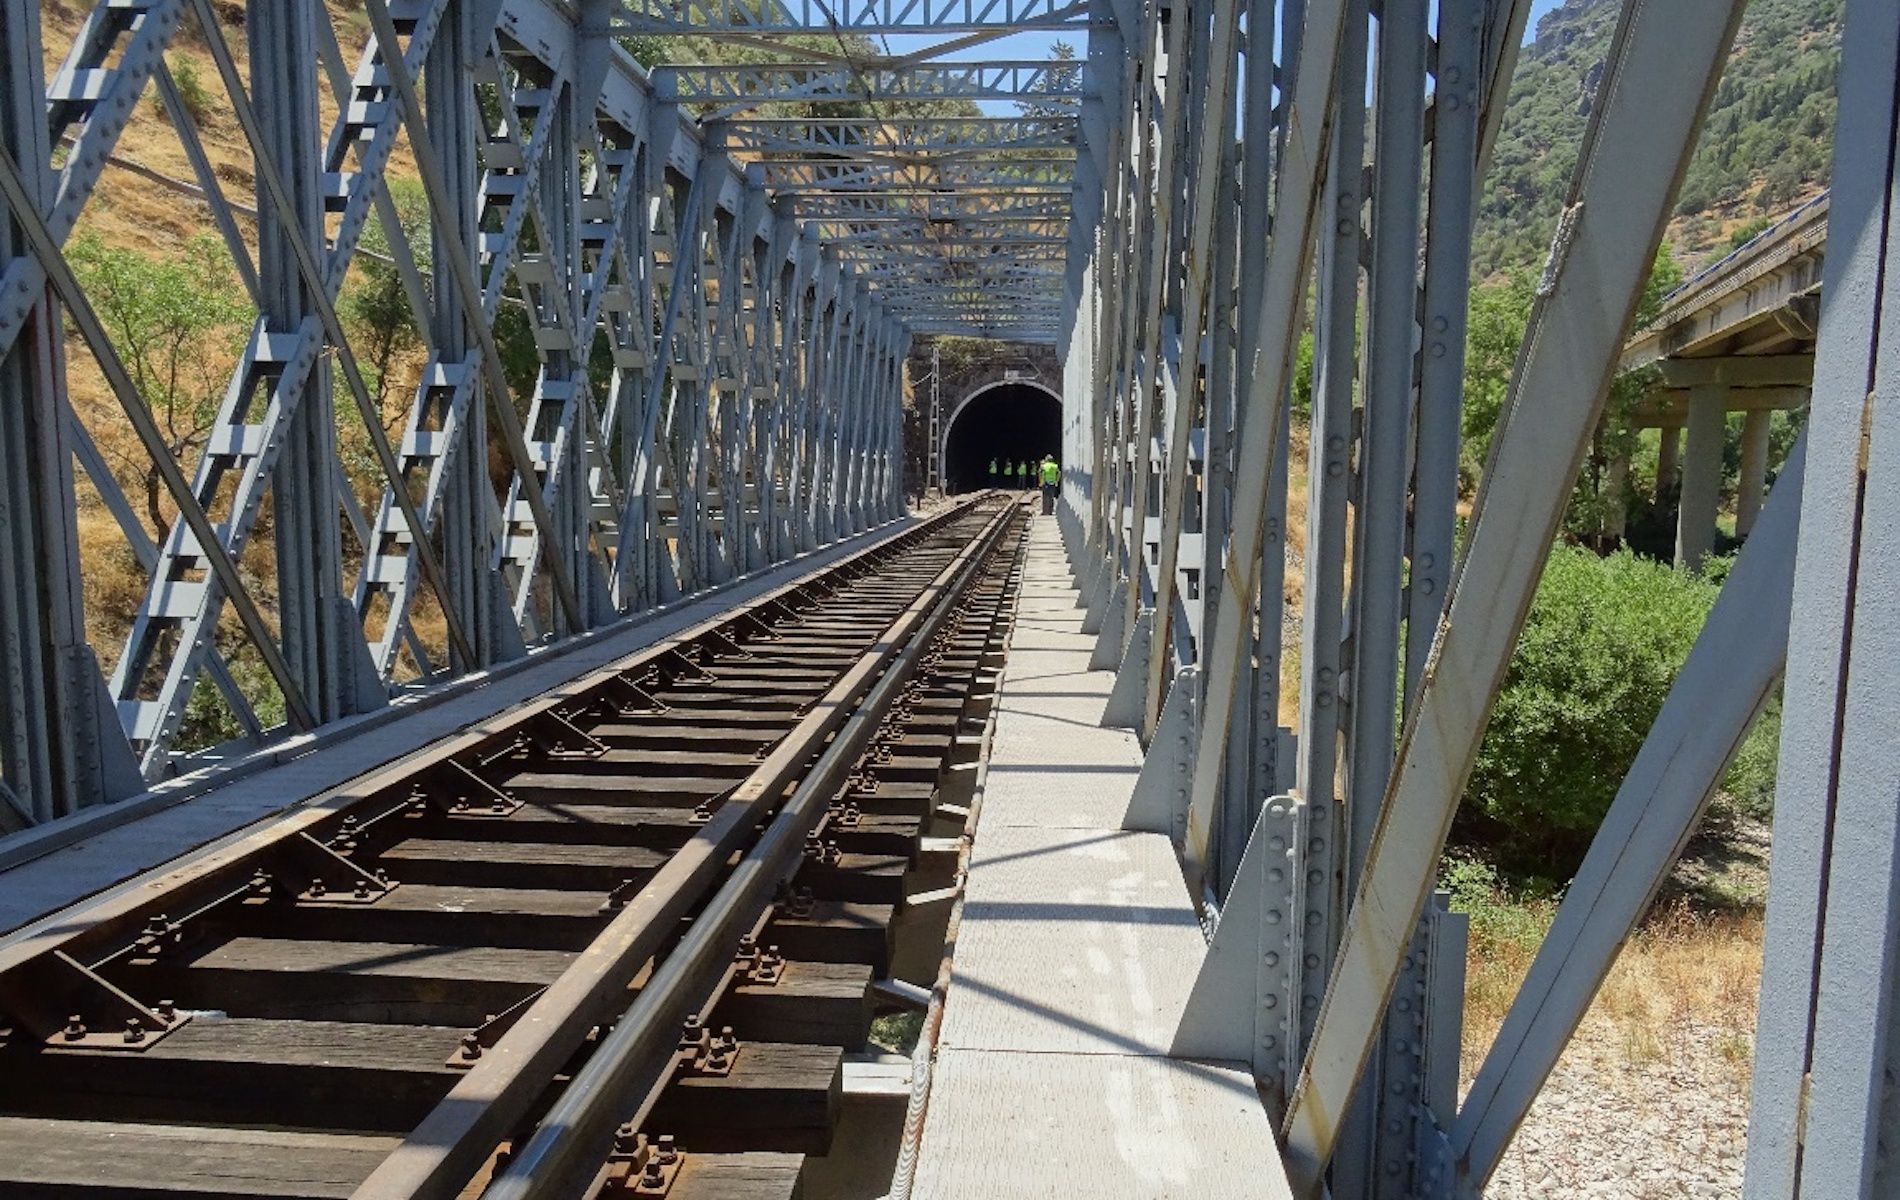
(1764,148)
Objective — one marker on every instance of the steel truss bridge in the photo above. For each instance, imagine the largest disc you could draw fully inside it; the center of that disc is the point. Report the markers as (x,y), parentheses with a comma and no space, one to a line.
(723,268)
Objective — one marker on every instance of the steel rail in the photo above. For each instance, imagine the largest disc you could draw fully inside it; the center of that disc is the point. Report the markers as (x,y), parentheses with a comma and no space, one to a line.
(206,870)
(903,607)
(446,1149)
(576,1131)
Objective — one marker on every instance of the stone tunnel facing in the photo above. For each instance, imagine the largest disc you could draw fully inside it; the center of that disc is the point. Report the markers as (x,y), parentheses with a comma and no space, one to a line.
(1005,422)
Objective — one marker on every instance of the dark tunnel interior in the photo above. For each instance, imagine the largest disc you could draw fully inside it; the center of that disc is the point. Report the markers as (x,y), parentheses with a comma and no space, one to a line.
(1012,422)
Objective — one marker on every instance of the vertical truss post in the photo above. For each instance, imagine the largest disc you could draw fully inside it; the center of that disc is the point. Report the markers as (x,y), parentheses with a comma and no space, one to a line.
(447,415)
(835,383)
(1445,303)
(1322,691)
(1309,115)
(894,447)
(1823,1119)
(1385,434)
(61,749)
(821,367)
(1381,1113)
(1148,372)
(795,404)
(848,471)
(1215,58)
(322,638)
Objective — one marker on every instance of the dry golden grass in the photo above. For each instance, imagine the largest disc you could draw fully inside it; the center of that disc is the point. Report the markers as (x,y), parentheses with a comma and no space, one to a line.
(132,214)
(1684,972)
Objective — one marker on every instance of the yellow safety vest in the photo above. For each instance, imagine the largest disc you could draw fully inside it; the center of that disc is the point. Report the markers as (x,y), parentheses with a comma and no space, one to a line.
(1051,473)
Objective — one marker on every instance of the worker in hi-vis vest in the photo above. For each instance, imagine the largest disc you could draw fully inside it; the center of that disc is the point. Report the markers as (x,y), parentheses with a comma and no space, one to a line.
(994,477)
(1051,479)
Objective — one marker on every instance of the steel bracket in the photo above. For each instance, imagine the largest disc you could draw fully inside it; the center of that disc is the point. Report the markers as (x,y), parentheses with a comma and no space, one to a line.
(65,1005)
(1129,693)
(1160,800)
(334,879)
(1244,1004)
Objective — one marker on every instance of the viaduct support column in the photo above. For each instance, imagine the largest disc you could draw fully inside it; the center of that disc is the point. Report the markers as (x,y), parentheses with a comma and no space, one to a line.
(1701,475)
(1668,456)
(1754,473)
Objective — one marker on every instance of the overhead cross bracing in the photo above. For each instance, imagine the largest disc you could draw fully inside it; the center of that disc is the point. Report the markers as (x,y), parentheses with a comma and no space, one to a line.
(899,138)
(928,17)
(746,86)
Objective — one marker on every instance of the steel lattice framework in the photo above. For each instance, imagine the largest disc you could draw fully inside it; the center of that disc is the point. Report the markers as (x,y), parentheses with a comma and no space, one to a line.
(879,17)
(718,303)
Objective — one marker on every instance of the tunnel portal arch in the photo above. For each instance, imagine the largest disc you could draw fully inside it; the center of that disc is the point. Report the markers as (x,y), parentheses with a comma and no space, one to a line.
(1005,419)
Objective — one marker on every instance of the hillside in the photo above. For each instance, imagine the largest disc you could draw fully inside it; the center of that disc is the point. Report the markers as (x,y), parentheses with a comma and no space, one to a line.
(1764,148)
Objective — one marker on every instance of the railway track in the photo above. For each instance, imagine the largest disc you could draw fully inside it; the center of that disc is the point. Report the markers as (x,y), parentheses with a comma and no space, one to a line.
(614,943)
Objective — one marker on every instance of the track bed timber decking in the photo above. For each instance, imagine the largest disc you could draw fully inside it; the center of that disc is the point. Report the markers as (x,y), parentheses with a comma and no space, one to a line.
(671,886)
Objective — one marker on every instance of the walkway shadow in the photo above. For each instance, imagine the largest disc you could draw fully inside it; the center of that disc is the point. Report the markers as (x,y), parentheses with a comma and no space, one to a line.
(1234,1078)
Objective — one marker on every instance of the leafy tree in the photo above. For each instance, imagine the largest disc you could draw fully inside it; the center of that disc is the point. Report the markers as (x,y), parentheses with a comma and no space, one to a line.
(1499,315)
(375,304)
(1746,232)
(1063,71)
(179,323)
(1494,330)
(1604,641)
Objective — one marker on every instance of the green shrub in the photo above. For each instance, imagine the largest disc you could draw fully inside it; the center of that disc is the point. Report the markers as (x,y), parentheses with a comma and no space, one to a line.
(1603,642)
(1749,790)
(191,90)
(1502,916)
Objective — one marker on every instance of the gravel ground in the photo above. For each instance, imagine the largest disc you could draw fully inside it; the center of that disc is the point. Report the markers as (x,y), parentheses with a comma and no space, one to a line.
(1605,1126)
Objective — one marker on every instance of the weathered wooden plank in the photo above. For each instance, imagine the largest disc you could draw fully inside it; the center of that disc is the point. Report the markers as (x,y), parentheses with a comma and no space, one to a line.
(836,932)
(824,1004)
(889,834)
(349,981)
(517,864)
(778,1096)
(445,914)
(46,1159)
(586,819)
(308,1074)
(899,797)
(738,1177)
(652,760)
(553,787)
(864,878)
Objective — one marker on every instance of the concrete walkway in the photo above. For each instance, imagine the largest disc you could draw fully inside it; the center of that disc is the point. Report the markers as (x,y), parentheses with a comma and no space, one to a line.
(1074,958)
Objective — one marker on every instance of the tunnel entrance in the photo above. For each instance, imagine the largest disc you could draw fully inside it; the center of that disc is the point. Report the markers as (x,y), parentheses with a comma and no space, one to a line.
(1013,421)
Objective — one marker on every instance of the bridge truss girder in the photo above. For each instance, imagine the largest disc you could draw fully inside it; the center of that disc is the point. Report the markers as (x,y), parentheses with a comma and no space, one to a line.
(1180,325)
(748,410)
